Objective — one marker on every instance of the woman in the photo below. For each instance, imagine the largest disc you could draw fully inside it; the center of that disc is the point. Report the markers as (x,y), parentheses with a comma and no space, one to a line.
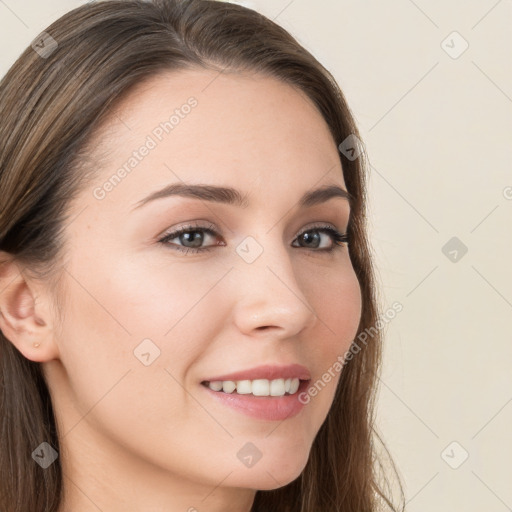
(184,270)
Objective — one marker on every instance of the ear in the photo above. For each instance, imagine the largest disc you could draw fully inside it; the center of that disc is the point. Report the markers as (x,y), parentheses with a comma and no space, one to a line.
(25,313)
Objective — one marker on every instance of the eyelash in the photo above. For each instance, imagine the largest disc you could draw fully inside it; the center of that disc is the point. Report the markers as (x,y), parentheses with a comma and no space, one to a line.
(340,239)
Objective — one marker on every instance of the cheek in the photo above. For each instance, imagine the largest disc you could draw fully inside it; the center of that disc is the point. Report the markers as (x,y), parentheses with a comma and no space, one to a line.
(123,310)
(336,298)
(345,307)
(107,385)
(156,296)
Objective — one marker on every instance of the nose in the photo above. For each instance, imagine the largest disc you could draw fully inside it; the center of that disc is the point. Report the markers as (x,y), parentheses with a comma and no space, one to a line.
(270,297)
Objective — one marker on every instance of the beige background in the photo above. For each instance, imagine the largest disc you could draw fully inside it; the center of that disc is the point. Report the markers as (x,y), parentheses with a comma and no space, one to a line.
(438,130)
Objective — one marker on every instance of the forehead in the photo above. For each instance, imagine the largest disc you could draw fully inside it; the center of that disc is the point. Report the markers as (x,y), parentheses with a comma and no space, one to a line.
(208,126)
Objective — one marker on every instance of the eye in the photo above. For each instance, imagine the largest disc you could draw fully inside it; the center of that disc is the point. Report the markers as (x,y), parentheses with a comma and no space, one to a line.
(313,241)
(192,238)
(189,235)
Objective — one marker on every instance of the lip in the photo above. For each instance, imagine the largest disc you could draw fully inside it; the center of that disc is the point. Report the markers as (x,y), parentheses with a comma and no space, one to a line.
(267,408)
(270,372)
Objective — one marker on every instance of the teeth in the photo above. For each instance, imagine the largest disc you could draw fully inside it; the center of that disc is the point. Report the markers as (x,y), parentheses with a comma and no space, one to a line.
(228,386)
(244,387)
(294,386)
(277,387)
(257,387)
(216,385)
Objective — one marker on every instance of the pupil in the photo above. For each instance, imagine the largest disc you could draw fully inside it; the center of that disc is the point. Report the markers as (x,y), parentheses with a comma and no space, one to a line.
(307,237)
(196,241)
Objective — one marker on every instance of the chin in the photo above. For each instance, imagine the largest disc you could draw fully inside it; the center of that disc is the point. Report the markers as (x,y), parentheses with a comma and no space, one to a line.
(270,476)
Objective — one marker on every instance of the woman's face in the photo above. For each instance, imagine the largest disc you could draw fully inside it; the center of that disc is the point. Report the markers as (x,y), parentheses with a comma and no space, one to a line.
(145,324)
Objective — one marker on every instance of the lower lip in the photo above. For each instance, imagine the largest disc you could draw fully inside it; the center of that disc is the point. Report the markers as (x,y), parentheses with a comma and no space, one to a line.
(271,408)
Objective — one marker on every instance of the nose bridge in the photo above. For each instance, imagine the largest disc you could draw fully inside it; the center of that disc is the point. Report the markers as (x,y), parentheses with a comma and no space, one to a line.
(269,293)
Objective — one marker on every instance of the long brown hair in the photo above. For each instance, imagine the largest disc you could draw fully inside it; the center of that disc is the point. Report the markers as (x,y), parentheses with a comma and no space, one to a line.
(52,100)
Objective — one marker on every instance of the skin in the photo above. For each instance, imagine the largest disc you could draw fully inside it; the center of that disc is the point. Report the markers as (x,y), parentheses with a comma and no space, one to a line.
(136,437)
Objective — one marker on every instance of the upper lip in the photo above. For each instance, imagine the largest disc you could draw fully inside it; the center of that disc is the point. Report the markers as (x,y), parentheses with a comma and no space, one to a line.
(269,372)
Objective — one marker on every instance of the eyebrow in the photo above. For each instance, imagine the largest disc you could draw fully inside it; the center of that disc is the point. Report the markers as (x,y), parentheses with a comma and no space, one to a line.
(231,196)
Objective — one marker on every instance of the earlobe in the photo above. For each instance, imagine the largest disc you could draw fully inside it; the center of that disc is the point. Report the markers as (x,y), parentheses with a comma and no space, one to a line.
(24,320)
